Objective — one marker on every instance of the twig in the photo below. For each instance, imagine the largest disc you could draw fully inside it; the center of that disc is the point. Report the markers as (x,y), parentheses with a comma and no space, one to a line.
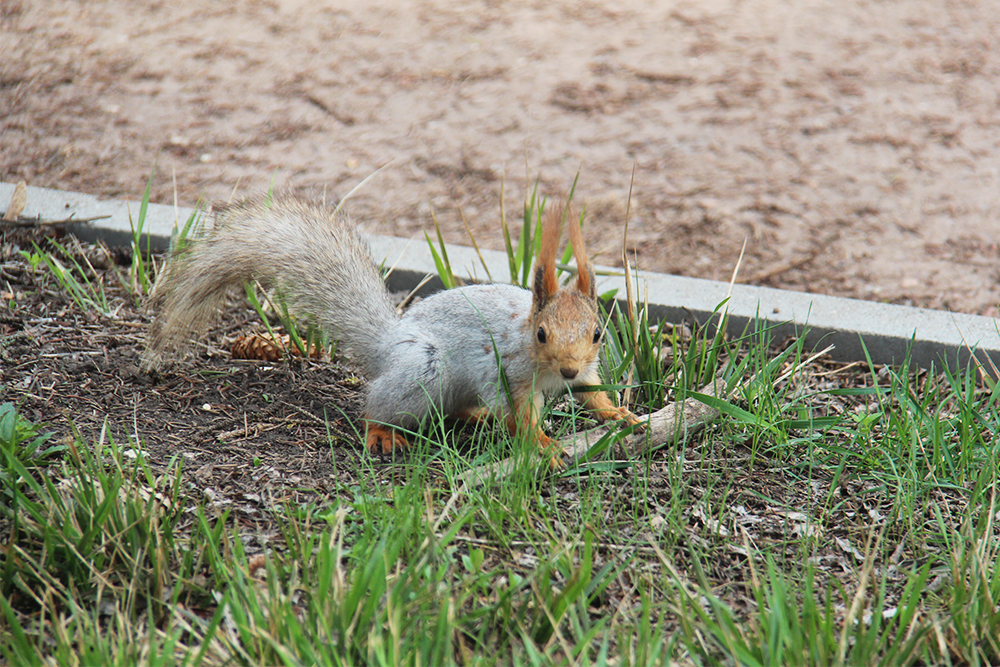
(673,423)
(38,222)
(790,265)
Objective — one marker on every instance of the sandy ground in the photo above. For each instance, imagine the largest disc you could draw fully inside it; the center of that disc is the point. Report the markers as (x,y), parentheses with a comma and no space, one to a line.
(854,144)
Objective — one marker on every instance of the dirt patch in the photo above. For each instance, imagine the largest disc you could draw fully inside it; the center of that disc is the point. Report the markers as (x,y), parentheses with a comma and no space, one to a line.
(853,144)
(248,434)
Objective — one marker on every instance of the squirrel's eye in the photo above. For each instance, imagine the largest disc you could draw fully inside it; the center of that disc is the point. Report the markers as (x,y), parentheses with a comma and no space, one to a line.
(541,335)
(597,335)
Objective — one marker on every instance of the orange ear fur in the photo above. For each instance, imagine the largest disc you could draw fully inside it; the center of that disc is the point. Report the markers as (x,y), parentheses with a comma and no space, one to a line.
(545,268)
(585,276)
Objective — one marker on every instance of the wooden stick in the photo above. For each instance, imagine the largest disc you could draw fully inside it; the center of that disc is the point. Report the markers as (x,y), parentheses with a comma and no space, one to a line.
(674,423)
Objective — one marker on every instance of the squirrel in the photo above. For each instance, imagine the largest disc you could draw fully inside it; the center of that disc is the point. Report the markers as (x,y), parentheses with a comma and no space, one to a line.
(441,354)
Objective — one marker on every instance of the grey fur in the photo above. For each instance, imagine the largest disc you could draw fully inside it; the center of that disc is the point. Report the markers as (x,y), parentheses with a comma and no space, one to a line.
(442,354)
(318,262)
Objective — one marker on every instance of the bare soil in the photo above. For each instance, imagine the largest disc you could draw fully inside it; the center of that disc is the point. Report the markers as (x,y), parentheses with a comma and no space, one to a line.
(855,144)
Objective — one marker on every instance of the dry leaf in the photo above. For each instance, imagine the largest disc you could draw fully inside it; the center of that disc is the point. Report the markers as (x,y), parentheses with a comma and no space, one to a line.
(17,202)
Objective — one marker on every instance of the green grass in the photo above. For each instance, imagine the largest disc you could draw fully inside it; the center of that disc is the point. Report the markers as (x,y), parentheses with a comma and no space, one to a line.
(105,561)
(830,516)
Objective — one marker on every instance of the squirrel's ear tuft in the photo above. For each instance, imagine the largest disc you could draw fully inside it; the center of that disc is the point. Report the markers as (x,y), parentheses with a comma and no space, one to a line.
(539,287)
(585,282)
(545,283)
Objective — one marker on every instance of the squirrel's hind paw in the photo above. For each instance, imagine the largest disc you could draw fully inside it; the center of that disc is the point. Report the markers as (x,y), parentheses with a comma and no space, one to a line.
(384,440)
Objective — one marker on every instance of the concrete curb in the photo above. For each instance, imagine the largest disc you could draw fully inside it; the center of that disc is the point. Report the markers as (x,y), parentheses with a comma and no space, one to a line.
(887,332)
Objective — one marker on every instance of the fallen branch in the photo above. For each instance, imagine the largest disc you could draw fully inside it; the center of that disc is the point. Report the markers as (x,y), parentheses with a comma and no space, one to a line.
(672,424)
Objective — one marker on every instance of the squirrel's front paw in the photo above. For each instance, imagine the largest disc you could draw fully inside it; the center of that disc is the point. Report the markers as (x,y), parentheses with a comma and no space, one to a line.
(382,439)
(631,418)
(618,413)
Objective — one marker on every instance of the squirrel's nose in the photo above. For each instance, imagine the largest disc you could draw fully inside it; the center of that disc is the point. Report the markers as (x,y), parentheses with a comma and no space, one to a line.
(569,373)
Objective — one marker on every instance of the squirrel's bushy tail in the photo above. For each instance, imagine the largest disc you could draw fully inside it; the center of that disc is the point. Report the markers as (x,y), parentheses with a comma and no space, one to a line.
(317,261)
